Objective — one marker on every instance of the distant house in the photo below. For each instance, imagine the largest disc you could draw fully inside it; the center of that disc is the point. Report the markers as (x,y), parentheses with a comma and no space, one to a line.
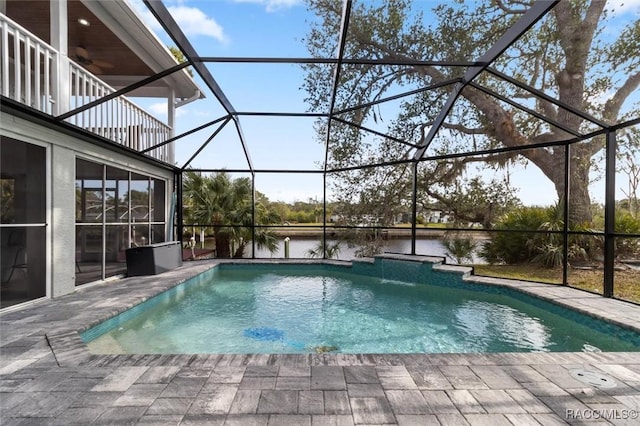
(429,216)
(362,221)
(79,186)
(437,216)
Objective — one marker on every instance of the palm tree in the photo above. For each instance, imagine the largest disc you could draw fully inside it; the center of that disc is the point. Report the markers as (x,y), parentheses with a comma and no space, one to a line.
(241,236)
(331,251)
(225,204)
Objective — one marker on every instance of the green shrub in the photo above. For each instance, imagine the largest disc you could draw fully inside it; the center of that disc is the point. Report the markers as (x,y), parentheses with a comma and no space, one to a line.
(549,255)
(627,224)
(332,250)
(544,248)
(460,248)
(517,247)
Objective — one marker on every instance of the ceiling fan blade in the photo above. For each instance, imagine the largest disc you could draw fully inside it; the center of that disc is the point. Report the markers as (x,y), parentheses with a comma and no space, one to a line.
(82,52)
(102,64)
(94,69)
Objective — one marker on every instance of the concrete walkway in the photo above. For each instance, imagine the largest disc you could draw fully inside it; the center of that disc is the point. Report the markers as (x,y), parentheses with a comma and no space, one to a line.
(48,377)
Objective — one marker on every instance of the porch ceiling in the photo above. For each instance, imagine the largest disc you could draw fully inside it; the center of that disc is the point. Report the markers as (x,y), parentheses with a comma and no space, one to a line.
(100,42)
(119,63)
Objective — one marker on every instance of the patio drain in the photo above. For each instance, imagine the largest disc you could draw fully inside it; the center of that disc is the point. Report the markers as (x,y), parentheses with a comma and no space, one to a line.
(592,378)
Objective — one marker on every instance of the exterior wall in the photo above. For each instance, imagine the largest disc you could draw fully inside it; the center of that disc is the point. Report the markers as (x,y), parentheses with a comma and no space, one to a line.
(63,150)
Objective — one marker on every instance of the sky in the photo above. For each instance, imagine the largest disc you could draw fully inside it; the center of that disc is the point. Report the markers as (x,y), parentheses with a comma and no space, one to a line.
(274,28)
(251,28)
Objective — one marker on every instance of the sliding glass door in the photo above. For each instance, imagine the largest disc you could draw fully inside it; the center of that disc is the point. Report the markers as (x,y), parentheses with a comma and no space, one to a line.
(22,222)
(115,209)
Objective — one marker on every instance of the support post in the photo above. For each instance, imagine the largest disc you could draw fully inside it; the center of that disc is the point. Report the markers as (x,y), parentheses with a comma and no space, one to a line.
(565,214)
(179,206)
(286,247)
(324,211)
(414,207)
(171,111)
(253,215)
(609,213)
(171,122)
(59,41)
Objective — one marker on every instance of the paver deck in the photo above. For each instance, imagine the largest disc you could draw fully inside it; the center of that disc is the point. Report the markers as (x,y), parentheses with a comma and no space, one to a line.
(48,377)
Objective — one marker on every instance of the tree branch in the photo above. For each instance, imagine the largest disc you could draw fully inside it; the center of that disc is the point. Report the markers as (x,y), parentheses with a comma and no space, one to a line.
(548,109)
(509,10)
(613,105)
(464,129)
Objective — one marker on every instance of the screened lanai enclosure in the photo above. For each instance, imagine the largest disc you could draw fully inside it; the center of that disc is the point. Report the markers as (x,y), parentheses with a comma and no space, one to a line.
(500,134)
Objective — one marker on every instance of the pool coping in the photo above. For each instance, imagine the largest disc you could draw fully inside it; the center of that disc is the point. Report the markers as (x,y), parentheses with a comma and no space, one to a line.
(70,350)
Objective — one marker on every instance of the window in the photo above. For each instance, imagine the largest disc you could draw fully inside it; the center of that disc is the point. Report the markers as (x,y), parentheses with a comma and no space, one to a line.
(115,209)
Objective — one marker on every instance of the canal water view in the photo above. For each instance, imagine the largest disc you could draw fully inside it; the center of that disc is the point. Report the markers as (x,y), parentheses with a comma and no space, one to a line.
(299,248)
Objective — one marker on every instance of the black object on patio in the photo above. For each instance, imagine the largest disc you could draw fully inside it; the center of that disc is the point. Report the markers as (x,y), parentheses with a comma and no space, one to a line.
(154,259)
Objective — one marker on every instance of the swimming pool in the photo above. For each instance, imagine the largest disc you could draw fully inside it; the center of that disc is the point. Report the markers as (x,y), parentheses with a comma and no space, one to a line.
(326,308)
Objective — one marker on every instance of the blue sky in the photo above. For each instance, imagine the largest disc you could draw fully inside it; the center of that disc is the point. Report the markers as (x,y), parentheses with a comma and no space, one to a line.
(272,28)
(258,28)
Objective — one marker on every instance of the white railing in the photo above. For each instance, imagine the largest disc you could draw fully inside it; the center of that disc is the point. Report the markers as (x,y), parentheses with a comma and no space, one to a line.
(26,63)
(29,75)
(118,119)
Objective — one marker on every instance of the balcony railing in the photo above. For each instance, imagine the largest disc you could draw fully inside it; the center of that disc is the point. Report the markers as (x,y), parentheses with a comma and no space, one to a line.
(27,67)
(31,75)
(118,119)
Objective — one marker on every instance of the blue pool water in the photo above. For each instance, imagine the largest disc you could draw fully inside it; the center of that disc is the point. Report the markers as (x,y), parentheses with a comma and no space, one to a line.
(303,308)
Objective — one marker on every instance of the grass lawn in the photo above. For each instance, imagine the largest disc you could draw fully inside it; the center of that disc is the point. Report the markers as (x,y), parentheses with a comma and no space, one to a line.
(626,282)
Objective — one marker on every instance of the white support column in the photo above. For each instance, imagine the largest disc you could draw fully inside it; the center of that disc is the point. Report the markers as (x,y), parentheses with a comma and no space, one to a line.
(62,162)
(59,41)
(63,250)
(171,121)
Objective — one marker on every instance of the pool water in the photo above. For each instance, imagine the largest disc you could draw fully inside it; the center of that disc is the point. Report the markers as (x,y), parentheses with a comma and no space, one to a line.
(308,309)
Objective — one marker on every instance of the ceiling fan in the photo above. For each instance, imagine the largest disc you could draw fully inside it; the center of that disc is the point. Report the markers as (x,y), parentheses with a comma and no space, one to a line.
(94,65)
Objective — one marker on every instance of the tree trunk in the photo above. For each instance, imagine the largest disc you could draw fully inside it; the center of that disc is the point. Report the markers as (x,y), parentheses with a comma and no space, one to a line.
(223,249)
(239,254)
(553,166)
(579,197)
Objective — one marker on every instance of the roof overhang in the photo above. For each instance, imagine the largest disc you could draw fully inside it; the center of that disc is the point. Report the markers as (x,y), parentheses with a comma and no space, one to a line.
(121,19)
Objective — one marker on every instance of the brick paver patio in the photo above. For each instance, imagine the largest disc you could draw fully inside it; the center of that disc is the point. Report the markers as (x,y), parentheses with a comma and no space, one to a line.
(48,377)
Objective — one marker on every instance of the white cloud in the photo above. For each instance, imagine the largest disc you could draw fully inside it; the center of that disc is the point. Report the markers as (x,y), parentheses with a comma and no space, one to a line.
(289,195)
(192,21)
(159,109)
(200,113)
(195,22)
(146,16)
(273,5)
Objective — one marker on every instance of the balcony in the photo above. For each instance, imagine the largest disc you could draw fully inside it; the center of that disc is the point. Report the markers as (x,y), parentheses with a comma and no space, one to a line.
(35,74)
